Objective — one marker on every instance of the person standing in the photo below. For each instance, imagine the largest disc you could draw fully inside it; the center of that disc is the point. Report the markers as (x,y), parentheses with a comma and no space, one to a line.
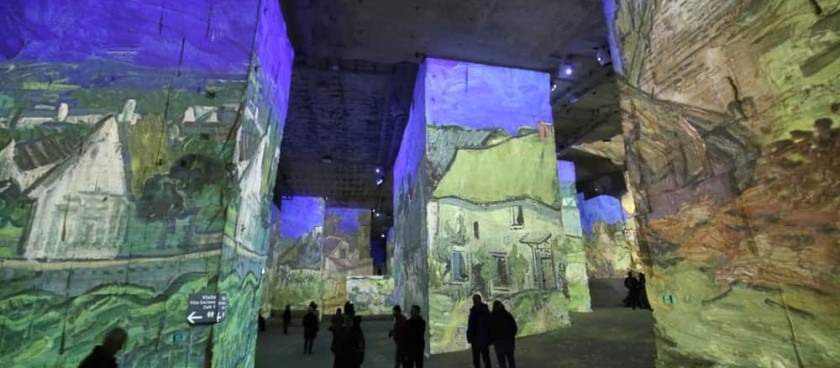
(632,285)
(260,321)
(478,332)
(102,356)
(415,339)
(287,319)
(398,334)
(337,320)
(310,330)
(503,331)
(352,351)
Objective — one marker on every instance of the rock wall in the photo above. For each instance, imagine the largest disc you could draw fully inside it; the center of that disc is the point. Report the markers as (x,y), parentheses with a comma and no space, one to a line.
(609,236)
(479,203)
(346,252)
(139,146)
(730,123)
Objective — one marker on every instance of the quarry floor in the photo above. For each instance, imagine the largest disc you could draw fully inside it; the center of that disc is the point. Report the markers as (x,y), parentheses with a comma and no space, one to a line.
(608,337)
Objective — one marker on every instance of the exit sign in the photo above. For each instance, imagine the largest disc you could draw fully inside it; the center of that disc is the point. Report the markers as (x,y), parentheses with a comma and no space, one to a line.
(669,299)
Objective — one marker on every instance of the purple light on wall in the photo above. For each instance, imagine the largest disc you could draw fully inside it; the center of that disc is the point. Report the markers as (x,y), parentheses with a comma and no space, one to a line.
(566,172)
(480,96)
(348,218)
(275,55)
(601,208)
(377,251)
(141,32)
(413,146)
(300,215)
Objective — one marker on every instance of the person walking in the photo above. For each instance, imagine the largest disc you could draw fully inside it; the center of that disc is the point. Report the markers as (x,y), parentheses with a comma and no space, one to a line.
(339,334)
(102,356)
(287,319)
(352,351)
(503,331)
(478,332)
(415,339)
(398,334)
(310,330)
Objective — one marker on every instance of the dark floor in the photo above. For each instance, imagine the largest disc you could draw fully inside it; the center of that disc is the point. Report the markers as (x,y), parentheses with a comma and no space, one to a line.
(608,337)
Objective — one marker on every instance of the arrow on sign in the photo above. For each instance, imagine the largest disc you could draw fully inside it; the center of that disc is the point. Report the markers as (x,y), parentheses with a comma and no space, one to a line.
(192,317)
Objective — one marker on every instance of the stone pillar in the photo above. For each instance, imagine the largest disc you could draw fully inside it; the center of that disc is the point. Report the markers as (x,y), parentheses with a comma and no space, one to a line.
(139,146)
(730,122)
(479,205)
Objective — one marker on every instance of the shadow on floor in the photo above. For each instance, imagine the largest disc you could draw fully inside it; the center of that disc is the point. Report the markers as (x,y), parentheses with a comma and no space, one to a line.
(605,338)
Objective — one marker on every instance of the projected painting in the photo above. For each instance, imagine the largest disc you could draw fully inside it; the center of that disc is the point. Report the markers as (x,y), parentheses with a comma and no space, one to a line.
(610,236)
(115,202)
(736,177)
(293,272)
(497,232)
(371,295)
(346,252)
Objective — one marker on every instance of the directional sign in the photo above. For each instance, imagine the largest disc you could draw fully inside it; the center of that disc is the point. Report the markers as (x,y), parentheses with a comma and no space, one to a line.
(206,308)
(669,299)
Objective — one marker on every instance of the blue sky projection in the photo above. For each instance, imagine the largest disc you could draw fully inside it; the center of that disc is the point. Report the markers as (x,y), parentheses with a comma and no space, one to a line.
(299,215)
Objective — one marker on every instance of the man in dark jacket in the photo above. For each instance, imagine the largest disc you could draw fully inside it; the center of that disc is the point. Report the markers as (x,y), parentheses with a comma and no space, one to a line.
(478,332)
(415,337)
(287,318)
(633,286)
(503,330)
(398,334)
(102,356)
(310,330)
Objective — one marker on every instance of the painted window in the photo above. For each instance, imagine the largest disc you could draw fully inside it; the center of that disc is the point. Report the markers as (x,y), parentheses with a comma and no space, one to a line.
(343,253)
(475,230)
(459,268)
(502,277)
(517,219)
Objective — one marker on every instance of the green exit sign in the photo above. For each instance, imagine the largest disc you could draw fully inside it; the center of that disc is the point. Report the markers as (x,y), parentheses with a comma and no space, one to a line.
(669,299)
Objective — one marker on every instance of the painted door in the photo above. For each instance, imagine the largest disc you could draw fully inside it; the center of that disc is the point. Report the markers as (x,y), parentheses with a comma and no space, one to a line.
(549,281)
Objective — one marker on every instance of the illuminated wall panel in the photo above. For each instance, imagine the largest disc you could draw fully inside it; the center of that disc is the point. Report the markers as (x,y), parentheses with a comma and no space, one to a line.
(293,269)
(733,162)
(346,252)
(609,233)
(371,295)
(118,125)
(464,224)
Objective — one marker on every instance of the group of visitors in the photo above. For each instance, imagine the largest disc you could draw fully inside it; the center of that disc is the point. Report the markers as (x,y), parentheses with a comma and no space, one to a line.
(497,328)
(485,328)
(409,337)
(636,291)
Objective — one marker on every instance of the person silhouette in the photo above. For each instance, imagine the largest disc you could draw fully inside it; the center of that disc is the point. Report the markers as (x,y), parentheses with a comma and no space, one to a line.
(478,332)
(102,356)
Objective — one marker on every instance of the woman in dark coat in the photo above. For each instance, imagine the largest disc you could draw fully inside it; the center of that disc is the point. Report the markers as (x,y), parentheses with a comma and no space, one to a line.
(352,351)
(503,331)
